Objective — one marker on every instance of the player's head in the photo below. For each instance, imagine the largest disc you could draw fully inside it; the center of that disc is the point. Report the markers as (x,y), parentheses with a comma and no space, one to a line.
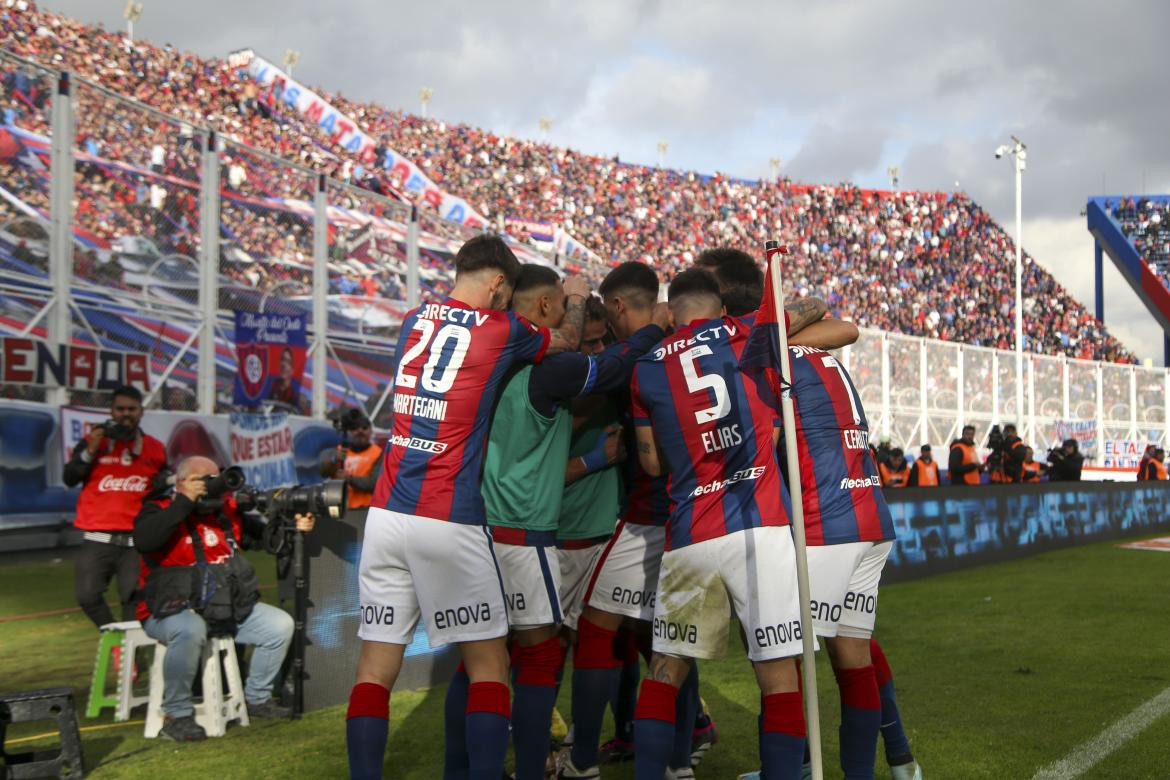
(694,295)
(486,269)
(538,295)
(596,333)
(741,282)
(924,453)
(629,293)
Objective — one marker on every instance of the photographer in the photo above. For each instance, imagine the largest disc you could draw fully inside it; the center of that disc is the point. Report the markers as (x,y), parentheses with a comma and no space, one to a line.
(195,581)
(895,471)
(118,466)
(1066,462)
(1013,452)
(356,460)
(1154,466)
(1031,470)
(963,465)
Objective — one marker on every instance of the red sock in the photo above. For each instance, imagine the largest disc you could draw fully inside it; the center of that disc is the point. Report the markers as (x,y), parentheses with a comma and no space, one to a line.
(881,667)
(858,688)
(489,697)
(784,714)
(538,664)
(656,701)
(368,700)
(596,647)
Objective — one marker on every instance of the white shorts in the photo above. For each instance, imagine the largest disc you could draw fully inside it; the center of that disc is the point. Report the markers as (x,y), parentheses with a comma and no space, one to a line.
(625,578)
(844,581)
(531,583)
(576,568)
(754,571)
(446,570)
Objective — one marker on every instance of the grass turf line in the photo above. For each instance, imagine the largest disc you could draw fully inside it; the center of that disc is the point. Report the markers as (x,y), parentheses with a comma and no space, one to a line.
(1001,670)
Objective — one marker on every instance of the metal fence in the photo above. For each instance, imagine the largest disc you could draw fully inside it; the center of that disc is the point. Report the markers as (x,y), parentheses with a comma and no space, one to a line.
(130,228)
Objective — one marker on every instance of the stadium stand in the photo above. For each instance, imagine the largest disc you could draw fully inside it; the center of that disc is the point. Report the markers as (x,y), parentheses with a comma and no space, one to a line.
(926,264)
(1145,220)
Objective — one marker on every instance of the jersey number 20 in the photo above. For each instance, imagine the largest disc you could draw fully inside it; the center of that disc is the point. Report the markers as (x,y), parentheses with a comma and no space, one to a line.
(435,379)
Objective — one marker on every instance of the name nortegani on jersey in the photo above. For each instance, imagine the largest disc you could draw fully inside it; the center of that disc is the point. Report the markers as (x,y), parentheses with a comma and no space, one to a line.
(841,489)
(714,432)
(452,362)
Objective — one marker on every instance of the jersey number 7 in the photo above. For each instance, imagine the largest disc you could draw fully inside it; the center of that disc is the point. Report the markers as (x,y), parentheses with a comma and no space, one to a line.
(434,378)
(831,362)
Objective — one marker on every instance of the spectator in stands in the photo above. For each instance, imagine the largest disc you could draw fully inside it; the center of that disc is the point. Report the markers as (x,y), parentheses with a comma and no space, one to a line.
(176,535)
(117,466)
(963,465)
(1031,470)
(1154,467)
(1065,462)
(896,472)
(924,471)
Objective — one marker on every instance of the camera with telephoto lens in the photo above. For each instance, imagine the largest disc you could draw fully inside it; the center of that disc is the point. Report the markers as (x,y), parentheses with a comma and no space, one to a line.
(995,439)
(218,485)
(350,420)
(114,431)
(328,498)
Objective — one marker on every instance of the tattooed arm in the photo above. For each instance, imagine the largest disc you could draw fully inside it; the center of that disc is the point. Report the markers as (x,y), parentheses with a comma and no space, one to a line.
(803,312)
(567,338)
(648,453)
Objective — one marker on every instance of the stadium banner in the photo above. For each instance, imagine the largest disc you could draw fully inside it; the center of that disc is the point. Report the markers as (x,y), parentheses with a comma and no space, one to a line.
(1125,453)
(76,423)
(270,359)
(1084,431)
(346,133)
(262,446)
(537,230)
(30,361)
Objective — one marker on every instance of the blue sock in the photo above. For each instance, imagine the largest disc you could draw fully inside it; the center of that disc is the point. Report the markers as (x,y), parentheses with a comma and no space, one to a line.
(596,674)
(686,708)
(535,687)
(861,719)
(486,728)
(654,729)
(455,760)
(367,725)
(626,699)
(782,736)
(893,732)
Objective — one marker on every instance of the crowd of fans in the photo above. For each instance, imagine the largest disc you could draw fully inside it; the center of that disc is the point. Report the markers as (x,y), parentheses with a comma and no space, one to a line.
(927,264)
(1146,223)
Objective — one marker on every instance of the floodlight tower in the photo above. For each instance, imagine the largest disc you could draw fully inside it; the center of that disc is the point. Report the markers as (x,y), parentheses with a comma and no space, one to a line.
(774,163)
(424,98)
(663,147)
(291,58)
(545,125)
(131,14)
(892,172)
(1019,154)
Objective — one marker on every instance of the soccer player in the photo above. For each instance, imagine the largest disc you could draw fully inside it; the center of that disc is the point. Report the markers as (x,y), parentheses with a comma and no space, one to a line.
(523,479)
(426,549)
(836,459)
(727,542)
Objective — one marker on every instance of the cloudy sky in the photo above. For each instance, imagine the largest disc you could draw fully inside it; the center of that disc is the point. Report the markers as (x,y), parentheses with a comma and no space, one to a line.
(838,89)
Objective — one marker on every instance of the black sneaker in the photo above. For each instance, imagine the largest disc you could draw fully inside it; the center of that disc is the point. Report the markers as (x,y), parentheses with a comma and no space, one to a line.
(268,709)
(183,729)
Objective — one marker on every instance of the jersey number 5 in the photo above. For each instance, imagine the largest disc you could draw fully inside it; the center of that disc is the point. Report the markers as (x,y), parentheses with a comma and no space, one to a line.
(435,379)
(712,382)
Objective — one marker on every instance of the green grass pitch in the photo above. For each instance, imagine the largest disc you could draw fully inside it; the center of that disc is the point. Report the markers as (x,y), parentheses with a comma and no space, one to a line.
(1000,670)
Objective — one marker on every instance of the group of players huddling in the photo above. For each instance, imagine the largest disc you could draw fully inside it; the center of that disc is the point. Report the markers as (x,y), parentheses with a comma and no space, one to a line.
(508,517)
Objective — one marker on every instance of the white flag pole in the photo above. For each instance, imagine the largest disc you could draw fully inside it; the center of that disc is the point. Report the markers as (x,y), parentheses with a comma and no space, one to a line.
(773,252)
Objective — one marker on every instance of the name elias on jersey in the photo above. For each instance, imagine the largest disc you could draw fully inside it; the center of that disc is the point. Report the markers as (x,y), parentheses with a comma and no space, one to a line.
(441,311)
(871,481)
(721,438)
(420,406)
(415,443)
(707,334)
(740,476)
(855,439)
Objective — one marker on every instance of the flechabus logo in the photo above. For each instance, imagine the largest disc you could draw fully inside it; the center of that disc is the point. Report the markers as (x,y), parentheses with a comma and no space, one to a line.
(415,443)
(739,476)
(857,484)
(133,484)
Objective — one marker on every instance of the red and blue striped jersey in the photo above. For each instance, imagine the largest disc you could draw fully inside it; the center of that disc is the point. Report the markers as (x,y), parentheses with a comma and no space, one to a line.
(453,359)
(714,432)
(841,489)
(647,500)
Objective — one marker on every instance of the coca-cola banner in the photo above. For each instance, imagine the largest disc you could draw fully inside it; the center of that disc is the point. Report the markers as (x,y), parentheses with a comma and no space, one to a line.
(270,359)
(262,445)
(76,425)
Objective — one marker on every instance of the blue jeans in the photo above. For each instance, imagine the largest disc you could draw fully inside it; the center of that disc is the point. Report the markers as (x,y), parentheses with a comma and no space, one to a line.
(268,628)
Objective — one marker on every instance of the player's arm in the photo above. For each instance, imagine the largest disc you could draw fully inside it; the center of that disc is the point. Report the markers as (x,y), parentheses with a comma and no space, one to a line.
(567,337)
(610,449)
(649,454)
(826,333)
(802,312)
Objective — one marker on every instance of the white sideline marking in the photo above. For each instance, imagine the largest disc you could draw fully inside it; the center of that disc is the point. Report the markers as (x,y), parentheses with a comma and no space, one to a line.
(1083,758)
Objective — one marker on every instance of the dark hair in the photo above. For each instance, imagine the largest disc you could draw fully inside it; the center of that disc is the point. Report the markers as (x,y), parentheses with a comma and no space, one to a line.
(594,309)
(534,276)
(693,281)
(633,279)
(739,277)
(924,448)
(487,252)
(126,391)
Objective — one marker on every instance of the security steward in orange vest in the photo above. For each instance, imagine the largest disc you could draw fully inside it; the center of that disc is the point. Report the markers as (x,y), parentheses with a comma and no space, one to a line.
(963,466)
(1030,470)
(357,460)
(897,472)
(1155,467)
(924,472)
